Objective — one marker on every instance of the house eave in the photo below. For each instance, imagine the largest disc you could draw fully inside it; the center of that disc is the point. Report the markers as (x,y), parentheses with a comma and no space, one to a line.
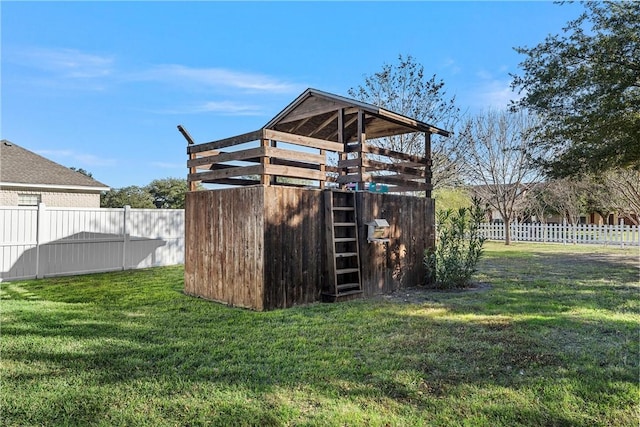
(49,187)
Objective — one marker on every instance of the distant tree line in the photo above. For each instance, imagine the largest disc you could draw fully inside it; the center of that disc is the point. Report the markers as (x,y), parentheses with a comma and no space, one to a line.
(167,193)
(563,199)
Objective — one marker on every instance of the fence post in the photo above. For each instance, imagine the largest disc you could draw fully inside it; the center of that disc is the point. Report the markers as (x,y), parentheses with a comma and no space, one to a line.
(39,236)
(126,212)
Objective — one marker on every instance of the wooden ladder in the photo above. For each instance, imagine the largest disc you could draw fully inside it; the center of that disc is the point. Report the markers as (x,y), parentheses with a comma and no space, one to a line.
(343,255)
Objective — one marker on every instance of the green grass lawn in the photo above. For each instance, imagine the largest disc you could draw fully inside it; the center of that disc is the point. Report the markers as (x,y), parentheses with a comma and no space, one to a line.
(553,340)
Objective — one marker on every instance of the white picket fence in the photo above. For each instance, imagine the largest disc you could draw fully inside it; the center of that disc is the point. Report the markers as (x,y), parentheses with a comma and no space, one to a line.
(621,235)
(41,241)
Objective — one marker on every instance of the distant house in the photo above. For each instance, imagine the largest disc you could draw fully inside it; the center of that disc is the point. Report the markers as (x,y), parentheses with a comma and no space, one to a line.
(27,179)
(526,212)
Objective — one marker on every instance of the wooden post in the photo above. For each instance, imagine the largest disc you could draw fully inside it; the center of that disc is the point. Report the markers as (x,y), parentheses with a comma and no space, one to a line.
(192,184)
(427,155)
(192,156)
(362,139)
(264,161)
(343,154)
(274,178)
(323,168)
(431,204)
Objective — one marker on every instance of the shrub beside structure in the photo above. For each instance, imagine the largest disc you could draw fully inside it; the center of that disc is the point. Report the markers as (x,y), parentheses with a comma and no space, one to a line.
(312,209)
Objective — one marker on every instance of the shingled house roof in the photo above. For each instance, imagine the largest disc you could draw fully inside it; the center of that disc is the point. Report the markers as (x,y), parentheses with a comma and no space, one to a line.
(21,167)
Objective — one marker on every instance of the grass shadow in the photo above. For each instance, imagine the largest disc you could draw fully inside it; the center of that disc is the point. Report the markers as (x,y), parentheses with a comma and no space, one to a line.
(130,348)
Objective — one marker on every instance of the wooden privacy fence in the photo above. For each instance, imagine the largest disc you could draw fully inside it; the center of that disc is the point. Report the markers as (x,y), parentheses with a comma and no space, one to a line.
(272,157)
(265,247)
(40,241)
(621,235)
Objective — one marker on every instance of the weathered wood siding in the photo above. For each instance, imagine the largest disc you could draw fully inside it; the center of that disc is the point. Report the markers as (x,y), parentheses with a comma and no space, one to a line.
(293,246)
(386,267)
(263,247)
(224,246)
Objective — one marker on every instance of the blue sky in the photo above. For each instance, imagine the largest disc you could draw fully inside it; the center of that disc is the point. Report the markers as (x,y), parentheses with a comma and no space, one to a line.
(103,85)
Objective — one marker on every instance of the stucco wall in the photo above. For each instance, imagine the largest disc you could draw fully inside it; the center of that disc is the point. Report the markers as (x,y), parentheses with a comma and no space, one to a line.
(9,197)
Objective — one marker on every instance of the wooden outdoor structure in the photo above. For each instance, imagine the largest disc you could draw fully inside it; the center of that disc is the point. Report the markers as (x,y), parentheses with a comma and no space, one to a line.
(291,226)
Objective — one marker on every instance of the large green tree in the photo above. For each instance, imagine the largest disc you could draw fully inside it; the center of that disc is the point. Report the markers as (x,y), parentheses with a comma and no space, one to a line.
(168,193)
(165,193)
(134,196)
(584,84)
(404,88)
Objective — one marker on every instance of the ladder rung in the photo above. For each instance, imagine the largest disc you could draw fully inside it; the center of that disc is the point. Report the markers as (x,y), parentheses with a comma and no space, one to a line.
(344,239)
(346,254)
(355,291)
(348,286)
(347,270)
(344,224)
(344,208)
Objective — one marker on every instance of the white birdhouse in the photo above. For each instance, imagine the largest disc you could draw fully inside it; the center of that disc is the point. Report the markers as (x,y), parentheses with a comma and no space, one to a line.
(378,231)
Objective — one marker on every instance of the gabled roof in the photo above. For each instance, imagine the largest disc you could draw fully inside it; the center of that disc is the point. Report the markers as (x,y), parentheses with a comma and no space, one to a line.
(21,167)
(314,112)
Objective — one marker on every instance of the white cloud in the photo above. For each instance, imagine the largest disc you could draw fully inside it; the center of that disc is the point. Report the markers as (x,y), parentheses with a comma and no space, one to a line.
(55,153)
(495,94)
(484,75)
(68,69)
(218,78)
(230,107)
(67,63)
(451,65)
(224,108)
(83,159)
(166,165)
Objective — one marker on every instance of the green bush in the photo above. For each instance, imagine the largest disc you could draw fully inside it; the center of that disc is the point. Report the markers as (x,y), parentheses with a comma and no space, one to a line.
(458,247)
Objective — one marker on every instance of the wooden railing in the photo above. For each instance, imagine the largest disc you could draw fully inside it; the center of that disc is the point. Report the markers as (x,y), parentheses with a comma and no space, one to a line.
(304,163)
(399,172)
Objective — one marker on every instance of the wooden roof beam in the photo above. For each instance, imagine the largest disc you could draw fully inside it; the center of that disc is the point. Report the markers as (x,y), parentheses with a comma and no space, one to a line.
(346,125)
(324,124)
(302,123)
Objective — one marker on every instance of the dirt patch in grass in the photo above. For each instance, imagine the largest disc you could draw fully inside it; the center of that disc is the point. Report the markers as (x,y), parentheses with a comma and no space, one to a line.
(536,262)
(421,294)
(611,259)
